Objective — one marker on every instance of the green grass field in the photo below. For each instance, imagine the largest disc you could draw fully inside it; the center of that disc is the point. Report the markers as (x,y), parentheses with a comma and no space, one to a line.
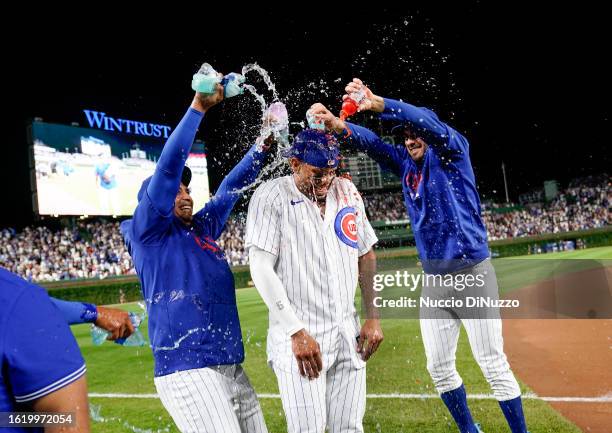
(398,367)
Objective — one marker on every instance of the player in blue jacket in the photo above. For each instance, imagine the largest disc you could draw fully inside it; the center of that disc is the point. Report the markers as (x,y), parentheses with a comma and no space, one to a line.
(189,288)
(41,369)
(451,238)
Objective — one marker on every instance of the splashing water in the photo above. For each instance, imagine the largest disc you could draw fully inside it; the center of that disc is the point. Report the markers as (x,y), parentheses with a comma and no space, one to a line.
(275,121)
(264,74)
(249,334)
(96,416)
(176,296)
(178,342)
(259,98)
(391,37)
(277,161)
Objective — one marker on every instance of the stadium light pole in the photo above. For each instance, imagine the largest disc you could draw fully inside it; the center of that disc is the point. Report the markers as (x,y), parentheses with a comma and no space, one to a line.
(505,182)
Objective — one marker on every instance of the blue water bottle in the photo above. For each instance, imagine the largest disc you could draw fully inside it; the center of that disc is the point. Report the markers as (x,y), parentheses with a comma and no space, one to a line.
(313,123)
(232,84)
(205,80)
(99,335)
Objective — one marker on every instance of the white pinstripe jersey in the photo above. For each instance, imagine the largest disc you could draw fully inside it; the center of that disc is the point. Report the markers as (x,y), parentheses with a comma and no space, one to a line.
(317,259)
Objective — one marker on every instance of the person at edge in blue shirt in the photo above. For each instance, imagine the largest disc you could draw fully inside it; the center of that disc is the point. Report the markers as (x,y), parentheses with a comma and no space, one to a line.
(42,369)
(444,208)
(189,288)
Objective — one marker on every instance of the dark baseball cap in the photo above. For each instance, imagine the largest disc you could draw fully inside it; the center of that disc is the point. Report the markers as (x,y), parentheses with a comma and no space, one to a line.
(185,180)
(315,147)
(186,176)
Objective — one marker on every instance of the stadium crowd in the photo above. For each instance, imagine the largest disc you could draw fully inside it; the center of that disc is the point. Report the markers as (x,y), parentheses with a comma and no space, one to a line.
(89,250)
(96,250)
(578,208)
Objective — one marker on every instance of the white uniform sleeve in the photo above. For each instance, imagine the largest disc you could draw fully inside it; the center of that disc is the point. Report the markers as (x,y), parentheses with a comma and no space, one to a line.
(366,237)
(272,291)
(262,226)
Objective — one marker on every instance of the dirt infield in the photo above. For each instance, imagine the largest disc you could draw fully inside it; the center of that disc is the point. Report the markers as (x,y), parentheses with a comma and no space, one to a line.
(565,358)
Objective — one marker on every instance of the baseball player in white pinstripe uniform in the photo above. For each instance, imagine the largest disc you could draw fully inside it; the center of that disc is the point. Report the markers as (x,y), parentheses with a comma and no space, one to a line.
(309,243)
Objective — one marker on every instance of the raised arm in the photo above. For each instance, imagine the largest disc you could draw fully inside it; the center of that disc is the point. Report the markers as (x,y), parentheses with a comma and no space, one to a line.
(422,120)
(217,210)
(167,177)
(388,156)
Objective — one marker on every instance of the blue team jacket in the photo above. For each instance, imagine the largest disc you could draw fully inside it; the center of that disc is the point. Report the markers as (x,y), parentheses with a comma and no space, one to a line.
(186,281)
(38,353)
(439,193)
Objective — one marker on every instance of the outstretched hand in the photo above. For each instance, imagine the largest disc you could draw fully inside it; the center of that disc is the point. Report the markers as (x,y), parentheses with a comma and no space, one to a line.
(116,322)
(370,100)
(204,101)
(322,114)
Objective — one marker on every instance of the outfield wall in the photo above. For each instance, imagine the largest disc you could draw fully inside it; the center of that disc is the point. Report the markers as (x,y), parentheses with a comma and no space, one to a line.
(127,289)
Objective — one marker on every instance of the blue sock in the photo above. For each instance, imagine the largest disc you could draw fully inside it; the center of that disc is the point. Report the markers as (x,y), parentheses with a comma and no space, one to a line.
(456,402)
(513,411)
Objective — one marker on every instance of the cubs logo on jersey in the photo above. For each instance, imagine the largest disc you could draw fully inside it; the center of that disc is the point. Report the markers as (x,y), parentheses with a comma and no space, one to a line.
(412,181)
(208,243)
(346,226)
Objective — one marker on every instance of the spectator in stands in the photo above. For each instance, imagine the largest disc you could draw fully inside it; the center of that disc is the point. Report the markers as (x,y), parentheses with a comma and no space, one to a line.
(96,249)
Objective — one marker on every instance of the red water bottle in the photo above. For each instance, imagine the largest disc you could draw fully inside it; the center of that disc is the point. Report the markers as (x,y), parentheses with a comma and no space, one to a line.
(351,104)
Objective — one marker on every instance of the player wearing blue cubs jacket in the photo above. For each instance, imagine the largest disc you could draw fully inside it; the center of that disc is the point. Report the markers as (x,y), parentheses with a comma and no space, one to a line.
(42,369)
(189,288)
(444,208)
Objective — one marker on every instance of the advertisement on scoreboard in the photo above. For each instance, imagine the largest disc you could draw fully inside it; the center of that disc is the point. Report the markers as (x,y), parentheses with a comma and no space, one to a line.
(91,171)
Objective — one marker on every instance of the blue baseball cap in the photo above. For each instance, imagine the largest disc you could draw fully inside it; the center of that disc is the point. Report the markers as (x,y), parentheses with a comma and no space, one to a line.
(315,147)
